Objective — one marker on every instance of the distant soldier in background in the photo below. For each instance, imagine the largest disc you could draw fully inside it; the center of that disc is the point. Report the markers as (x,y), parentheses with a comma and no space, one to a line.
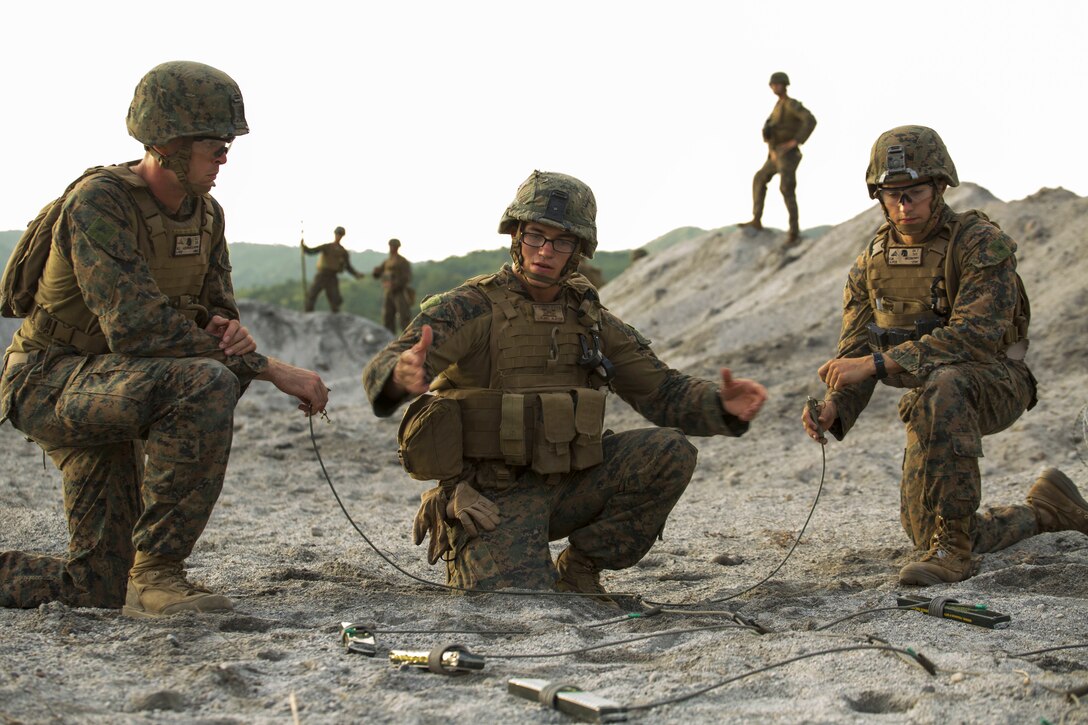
(334,259)
(637,254)
(591,273)
(789,125)
(395,273)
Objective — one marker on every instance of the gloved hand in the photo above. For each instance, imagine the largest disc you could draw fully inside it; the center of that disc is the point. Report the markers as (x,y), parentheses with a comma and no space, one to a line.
(474,511)
(431,519)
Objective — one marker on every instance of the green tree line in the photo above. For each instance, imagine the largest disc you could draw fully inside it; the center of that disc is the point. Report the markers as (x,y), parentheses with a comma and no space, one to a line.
(273,273)
(364,296)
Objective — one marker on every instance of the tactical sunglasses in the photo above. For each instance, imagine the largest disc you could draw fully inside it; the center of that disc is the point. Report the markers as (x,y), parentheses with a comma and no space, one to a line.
(913,194)
(223,144)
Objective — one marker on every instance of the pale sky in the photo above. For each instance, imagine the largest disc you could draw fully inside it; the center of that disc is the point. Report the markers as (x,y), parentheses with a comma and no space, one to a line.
(419,119)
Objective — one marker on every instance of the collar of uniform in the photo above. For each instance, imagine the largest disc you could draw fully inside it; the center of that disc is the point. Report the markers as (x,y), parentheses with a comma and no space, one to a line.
(944,223)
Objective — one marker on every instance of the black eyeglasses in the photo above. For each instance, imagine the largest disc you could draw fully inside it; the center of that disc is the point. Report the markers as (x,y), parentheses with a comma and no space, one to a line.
(220,145)
(914,194)
(563,246)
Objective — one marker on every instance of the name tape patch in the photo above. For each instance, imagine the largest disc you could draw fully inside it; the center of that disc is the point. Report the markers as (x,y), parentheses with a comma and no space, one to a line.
(548,313)
(905,256)
(186,245)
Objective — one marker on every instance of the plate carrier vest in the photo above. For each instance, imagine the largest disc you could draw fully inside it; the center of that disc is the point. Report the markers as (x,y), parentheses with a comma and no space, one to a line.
(178,254)
(908,300)
(540,408)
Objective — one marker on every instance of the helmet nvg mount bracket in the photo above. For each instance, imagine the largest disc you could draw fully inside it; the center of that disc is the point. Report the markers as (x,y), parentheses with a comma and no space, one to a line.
(907,153)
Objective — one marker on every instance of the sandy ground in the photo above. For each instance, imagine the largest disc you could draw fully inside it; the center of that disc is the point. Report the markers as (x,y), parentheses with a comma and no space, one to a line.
(279,545)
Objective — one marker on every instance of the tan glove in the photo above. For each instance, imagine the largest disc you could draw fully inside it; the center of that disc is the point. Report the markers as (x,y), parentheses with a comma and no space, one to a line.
(474,511)
(431,519)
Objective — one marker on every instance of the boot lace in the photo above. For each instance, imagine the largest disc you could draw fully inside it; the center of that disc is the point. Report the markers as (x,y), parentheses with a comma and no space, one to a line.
(171,575)
(940,545)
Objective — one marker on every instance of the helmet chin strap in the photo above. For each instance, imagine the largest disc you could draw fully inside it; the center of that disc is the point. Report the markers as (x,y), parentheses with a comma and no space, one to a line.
(179,164)
(535,277)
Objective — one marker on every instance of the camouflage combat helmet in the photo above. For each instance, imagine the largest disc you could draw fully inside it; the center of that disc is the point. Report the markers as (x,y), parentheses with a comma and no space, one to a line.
(339,231)
(181,99)
(558,200)
(909,152)
(395,243)
(780,77)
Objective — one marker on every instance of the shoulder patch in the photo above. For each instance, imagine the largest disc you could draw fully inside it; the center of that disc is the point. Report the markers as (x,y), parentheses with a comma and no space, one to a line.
(102,231)
(458,304)
(431,300)
(985,245)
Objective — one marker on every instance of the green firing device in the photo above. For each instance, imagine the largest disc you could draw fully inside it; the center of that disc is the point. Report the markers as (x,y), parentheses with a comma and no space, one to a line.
(947,608)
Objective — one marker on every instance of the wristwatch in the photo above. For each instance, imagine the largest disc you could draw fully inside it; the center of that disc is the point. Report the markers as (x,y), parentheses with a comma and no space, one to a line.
(878,363)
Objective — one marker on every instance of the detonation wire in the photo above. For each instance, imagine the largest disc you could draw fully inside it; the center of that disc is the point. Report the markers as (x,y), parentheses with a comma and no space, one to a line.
(421,580)
(654,611)
(541,592)
(628,640)
(448,631)
(740,623)
(764,580)
(1048,649)
(917,657)
(833,622)
(797,541)
(664,607)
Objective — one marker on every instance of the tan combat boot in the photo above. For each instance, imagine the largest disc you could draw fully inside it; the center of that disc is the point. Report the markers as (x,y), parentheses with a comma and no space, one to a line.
(754,226)
(1057,503)
(157,587)
(948,559)
(793,239)
(578,574)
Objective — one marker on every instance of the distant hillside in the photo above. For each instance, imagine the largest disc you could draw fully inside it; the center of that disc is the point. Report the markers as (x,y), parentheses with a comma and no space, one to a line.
(262,265)
(675,237)
(7,243)
(273,273)
(364,296)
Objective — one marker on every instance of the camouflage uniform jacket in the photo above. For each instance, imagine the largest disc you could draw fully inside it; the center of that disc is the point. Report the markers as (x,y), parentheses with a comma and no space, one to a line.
(98,248)
(982,311)
(461,323)
(397,271)
(334,258)
(789,120)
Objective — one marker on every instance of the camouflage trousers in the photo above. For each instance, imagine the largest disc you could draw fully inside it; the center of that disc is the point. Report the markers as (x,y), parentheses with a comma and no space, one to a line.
(396,312)
(612,513)
(142,446)
(325,280)
(785,165)
(946,418)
